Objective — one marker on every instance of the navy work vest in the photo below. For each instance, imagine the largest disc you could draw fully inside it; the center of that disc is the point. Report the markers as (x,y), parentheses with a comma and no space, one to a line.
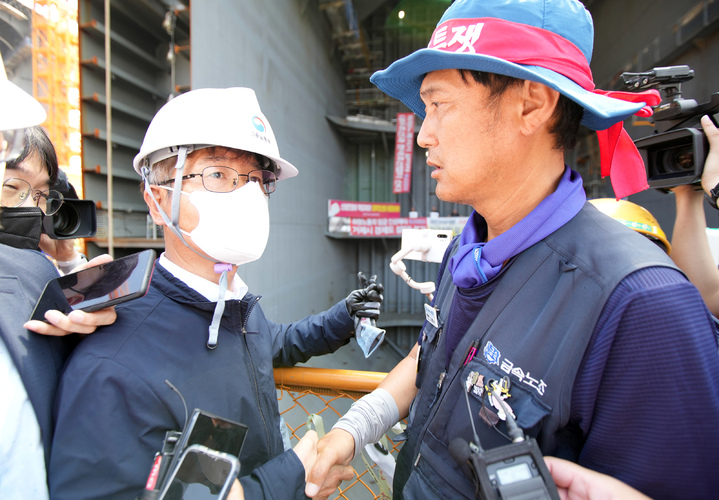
(534,329)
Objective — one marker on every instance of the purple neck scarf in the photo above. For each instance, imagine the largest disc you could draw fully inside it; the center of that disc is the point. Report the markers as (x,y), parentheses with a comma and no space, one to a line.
(477,262)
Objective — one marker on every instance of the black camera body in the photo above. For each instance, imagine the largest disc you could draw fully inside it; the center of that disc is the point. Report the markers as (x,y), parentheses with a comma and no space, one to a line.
(75,219)
(676,152)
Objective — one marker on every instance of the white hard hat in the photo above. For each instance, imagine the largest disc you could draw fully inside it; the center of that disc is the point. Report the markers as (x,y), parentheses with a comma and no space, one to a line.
(18,109)
(211,117)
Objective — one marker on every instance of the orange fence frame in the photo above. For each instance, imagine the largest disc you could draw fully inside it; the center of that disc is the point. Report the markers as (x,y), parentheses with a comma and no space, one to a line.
(316,392)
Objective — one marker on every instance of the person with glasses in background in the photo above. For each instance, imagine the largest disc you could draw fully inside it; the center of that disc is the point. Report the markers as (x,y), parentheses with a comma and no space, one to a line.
(209,163)
(29,363)
(29,181)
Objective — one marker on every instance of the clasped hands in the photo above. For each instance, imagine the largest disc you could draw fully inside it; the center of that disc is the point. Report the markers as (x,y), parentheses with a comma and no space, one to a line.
(326,461)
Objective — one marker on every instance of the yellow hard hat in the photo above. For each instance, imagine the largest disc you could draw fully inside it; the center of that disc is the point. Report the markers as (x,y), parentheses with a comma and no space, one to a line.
(635,217)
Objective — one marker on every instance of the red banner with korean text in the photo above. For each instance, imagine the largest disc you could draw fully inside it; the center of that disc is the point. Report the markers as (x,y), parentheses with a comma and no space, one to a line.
(403,146)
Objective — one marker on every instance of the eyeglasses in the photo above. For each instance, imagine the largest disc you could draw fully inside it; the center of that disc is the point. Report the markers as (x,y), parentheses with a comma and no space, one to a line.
(226,179)
(16,191)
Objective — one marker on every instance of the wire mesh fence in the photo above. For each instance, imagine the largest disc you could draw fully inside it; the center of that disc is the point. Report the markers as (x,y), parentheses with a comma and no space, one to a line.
(317,398)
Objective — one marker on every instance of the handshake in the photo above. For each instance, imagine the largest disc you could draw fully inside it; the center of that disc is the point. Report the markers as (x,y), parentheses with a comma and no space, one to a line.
(326,461)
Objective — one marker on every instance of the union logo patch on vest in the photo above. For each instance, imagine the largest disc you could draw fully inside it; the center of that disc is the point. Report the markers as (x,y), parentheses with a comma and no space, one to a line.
(491,354)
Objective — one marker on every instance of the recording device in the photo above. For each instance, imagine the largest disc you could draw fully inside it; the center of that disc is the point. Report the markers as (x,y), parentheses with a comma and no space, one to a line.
(208,435)
(201,473)
(676,152)
(99,286)
(217,433)
(427,245)
(75,219)
(512,472)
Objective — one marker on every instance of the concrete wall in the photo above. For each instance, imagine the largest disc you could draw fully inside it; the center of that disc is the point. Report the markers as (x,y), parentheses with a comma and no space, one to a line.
(283,50)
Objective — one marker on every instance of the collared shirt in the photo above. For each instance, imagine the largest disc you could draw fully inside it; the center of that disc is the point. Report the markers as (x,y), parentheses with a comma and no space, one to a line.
(206,288)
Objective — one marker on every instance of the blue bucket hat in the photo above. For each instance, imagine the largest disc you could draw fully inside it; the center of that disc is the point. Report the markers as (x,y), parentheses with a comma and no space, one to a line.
(566,21)
(547,41)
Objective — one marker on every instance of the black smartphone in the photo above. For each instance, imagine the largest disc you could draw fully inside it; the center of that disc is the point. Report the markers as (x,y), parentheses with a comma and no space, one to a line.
(201,473)
(210,430)
(99,286)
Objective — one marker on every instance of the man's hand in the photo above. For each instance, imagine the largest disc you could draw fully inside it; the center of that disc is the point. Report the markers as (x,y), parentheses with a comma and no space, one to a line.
(77,321)
(710,174)
(364,303)
(334,453)
(306,451)
(236,492)
(575,482)
(63,250)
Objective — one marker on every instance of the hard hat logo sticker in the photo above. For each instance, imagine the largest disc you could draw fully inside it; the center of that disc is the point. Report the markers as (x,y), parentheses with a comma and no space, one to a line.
(258,123)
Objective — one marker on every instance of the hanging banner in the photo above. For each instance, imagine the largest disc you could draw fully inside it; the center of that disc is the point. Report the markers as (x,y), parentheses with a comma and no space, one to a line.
(403,146)
(368,209)
(357,227)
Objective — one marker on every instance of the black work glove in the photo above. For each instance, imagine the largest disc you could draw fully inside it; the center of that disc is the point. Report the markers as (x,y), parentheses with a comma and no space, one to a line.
(364,303)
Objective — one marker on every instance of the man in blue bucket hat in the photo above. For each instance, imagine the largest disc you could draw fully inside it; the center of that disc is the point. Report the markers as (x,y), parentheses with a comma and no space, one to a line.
(547,312)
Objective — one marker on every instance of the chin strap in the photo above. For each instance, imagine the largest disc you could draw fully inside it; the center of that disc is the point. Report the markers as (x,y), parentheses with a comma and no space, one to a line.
(221,268)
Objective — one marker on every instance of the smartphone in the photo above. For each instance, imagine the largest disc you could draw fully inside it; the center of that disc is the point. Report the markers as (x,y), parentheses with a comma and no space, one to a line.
(212,431)
(429,244)
(99,286)
(201,473)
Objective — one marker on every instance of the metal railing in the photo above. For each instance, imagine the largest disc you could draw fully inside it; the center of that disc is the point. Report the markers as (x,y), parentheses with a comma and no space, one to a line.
(318,397)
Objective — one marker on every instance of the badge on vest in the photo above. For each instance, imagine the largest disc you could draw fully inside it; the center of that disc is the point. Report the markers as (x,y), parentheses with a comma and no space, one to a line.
(430,314)
(500,389)
(475,384)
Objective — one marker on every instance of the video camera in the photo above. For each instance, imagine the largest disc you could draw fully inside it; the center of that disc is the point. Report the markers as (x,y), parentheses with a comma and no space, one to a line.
(75,219)
(676,152)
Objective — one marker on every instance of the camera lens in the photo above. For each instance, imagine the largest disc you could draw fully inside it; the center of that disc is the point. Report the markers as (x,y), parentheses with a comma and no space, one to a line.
(675,160)
(66,221)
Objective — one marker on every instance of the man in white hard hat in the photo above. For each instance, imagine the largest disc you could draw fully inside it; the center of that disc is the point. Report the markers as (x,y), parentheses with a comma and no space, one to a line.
(548,314)
(29,363)
(209,162)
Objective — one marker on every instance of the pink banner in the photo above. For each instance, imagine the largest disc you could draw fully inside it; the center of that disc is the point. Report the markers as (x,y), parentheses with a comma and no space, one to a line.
(340,208)
(403,147)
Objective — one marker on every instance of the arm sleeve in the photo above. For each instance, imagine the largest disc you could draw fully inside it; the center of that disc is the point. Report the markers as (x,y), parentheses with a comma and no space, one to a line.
(314,335)
(108,429)
(647,395)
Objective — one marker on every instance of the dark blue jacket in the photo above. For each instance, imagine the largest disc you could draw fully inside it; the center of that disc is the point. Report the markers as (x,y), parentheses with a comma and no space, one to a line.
(113,407)
(38,358)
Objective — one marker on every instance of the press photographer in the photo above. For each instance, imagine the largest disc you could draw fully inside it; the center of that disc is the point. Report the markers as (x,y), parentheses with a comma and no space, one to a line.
(682,157)
(49,219)
(676,152)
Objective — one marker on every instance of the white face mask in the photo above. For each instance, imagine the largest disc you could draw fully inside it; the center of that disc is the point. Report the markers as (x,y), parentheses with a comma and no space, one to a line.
(245,240)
